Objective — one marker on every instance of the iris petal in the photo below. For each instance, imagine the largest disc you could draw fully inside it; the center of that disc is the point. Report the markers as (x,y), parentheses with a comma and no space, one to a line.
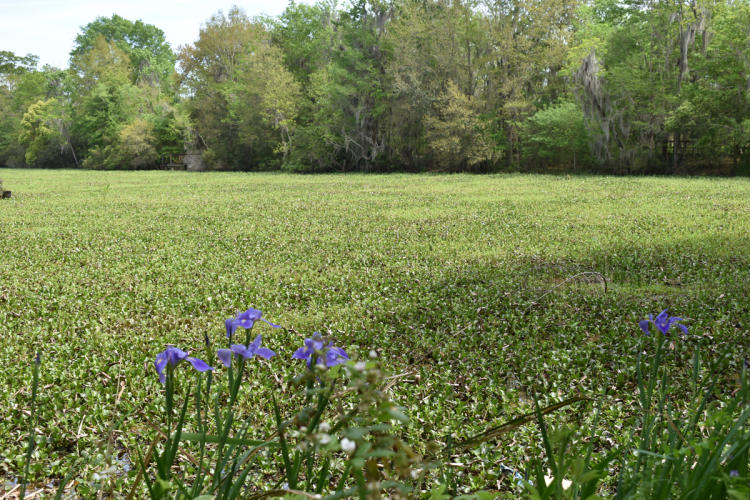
(340,352)
(250,315)
(198,364)
(160,364)
(245,323)
(270,324)
(231,325)
(302,353)
(663,322)
(265,353)
(323,355)
(225,356)
(246,320)
(662,316)
(644,326)
(241,350)
(174,355)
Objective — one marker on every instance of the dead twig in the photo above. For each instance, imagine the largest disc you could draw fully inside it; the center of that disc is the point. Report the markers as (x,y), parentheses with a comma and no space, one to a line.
(568,280)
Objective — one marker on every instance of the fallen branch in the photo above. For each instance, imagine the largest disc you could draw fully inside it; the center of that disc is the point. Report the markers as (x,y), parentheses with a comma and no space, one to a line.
(568,280)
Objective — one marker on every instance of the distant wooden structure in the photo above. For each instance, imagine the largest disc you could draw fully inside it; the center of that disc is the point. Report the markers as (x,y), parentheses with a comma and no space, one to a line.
(3,192)
(176,162)
(184,161)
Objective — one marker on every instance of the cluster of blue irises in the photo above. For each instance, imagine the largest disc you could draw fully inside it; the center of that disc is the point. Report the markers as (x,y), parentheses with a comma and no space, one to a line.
(315,348)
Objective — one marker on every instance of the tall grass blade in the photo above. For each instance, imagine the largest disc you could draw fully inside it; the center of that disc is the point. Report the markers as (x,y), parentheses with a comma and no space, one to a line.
(32,426)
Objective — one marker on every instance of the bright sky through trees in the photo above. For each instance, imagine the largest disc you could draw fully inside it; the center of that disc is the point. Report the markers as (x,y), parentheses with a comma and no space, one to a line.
(47,28)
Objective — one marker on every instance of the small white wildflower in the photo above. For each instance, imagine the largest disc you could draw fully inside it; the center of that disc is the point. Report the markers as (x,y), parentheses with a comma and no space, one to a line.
(549,479)
(415,473)
(373,354)
(348,446)
(325,427)
(360,366)
(324,439)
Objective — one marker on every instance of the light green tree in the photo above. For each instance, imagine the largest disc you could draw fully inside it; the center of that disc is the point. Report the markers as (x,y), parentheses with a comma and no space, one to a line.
(151,59)
(241,97)
(40,133)
(456,136)
(120,120)
(557,137)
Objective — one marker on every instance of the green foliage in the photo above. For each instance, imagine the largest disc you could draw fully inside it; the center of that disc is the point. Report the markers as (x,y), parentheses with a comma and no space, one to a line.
(435,75)
(304,33)
(699,450)
(664,86)
(457,138)
(557,137)
(138,144)
(440,274)
(243,101)
(418,85)
(11,64)
(119,119)
(345,96)
(22,85)
(144,45)
(40,133)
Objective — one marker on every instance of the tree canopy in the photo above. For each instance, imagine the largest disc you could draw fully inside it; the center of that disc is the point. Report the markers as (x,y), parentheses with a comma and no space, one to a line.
(643,86)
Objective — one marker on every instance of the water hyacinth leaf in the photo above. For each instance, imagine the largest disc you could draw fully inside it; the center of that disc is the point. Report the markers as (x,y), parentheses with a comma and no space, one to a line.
(397,414)
(194,437)
(510,425)
(356,433)
(380,454)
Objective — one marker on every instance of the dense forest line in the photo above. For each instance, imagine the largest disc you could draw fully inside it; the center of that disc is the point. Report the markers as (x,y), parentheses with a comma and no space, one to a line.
(634,86)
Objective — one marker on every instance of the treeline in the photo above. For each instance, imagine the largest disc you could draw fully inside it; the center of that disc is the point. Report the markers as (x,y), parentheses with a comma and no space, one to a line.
(420,85)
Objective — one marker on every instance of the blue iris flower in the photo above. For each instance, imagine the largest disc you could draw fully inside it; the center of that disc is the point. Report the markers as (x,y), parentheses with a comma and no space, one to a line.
(173,356)
(254,349)
(246,320)
(663,322)
(327,355)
